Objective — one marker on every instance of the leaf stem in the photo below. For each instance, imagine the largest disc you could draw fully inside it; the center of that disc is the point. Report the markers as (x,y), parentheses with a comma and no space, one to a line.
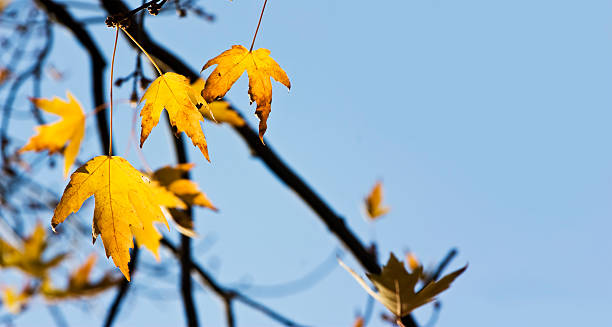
(143,50)
(110,137)
(258,23)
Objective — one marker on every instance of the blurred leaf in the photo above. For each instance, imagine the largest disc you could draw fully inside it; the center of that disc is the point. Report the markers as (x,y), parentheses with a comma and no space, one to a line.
(16,302)
(373,202)
(29,258)
(79,284)
(5,73)
(358,322)
(171,179)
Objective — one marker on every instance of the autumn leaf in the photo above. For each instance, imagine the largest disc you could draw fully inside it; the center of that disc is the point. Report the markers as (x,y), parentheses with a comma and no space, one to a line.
(358,322)
(396,286)
(173,92)
(412,260)
(373,202)
(165,197)
(4,4)
(218,111)
(125,207)
(5,73)
(15,301)
(187,190)
(260,67)
(29,258)
(66,132)
(79,284)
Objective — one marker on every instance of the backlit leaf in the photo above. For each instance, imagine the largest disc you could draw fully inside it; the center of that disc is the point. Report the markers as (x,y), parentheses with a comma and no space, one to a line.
(260,67)
(173,92)
(396,286)
(66,132)
(125,206)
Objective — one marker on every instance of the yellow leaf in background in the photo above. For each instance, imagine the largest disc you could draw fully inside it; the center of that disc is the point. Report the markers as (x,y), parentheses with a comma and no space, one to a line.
(374,204)
(260,67)
(396,286)
(171,179)
(16,302)
(67,131)
(29,258)
(218,111)
(187,190)
(165,198)
(125,206)
(173,92)
(79,285)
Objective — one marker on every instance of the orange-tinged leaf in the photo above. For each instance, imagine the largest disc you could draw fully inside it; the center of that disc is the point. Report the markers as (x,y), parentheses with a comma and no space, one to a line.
(4,4)
(358,322)
(373,202)
(396,286)
(66,132)
(5,73)
(173,92)
(79,284)
(125,207)
(413,262)
(260,67)
(29,258)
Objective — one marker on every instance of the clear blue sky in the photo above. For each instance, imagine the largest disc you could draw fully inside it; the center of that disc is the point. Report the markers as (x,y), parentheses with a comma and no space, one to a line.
(488,122)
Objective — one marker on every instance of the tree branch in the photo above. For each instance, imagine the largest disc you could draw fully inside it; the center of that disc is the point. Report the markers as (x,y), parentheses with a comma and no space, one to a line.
(58,13)
(333,221)
(228,295)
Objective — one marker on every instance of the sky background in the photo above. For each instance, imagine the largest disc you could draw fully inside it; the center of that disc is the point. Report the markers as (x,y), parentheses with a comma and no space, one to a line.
(487,121)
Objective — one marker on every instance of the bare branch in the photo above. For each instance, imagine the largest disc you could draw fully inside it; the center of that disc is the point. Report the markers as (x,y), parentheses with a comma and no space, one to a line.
(228,295)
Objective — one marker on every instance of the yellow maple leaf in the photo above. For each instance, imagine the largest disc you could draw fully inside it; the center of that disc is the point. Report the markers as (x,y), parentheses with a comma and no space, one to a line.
(15,301)
(66,132)
(29,258)
(79,284)
(373,202)
(218,111)
(260,67)
(396,286)
(173,92)
(125,206)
